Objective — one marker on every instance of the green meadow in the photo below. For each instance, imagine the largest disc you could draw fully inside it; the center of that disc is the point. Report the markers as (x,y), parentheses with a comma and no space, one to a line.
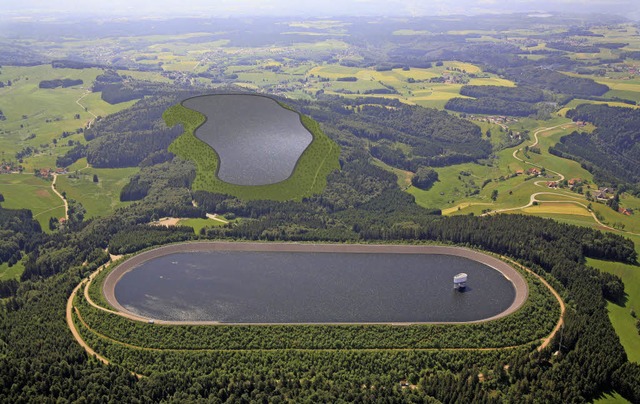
(11,272)
(620,314)
(26,191)
(611,398)
(199,224)
(47,113)
(98,198)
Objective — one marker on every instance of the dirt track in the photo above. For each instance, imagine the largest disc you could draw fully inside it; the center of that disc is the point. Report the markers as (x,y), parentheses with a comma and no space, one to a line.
(72,327)
(112,279)
(74,331)
(64,201)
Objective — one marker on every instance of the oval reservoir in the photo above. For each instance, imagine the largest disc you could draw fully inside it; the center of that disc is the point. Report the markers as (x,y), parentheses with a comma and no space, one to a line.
(299,284)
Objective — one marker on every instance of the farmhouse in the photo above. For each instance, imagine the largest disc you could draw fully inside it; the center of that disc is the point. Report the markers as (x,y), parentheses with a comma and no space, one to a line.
(533,171)
(601,195)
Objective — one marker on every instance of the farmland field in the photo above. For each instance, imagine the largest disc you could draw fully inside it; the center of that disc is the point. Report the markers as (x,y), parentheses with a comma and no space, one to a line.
(25,191)
(98,198)
(557,208)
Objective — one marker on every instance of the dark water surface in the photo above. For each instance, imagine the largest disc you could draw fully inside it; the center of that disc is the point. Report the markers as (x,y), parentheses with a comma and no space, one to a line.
(258,142)
(296,287)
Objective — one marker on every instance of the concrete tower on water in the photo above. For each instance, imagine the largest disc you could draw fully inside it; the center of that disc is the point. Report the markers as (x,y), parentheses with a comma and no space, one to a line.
(460,281)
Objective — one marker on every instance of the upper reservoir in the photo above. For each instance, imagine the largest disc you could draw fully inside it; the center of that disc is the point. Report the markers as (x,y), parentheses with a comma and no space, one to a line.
(257,141)
(312,287)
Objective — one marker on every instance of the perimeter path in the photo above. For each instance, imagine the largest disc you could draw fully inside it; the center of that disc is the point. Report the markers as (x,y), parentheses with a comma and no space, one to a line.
(563,308)
(508,271)
(74,331)
(520,284)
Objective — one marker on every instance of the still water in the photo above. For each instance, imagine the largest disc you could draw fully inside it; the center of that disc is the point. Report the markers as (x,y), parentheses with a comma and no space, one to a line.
(301,287)
(258,142)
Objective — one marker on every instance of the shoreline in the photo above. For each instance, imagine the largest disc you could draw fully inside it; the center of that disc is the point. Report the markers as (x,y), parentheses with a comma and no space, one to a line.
(512,275)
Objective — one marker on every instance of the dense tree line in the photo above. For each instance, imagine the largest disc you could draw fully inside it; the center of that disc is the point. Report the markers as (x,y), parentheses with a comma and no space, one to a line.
(612,151)
(520,93)
(565,46)
(77,64)
(116,92)
(49,364)
(626,380)
(18,233)
(126,138)
(76,153)
(490,105)
(130,149)
(551,80)
(630,55)
(613,45)
(582,148)
(435,138)
(8,288)
(141,236)
(514,101)
(424,178)
(567,99)
(159,178)
(105,79)
(64,83)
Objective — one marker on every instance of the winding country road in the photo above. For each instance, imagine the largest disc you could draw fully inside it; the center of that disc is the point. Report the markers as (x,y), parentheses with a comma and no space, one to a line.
(66,204)
(534,144)
(86,109)
(533,198)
